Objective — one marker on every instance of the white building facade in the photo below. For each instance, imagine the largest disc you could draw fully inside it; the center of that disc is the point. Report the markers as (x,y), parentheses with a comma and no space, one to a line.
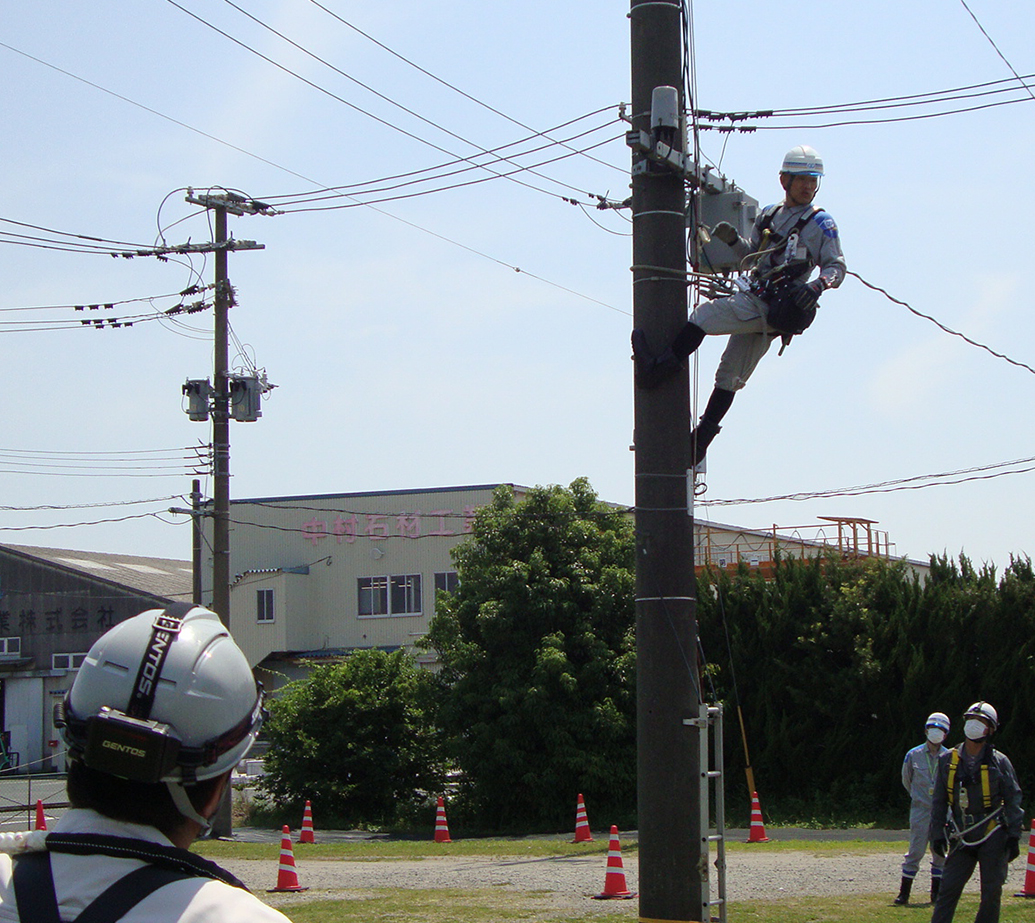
(318,576)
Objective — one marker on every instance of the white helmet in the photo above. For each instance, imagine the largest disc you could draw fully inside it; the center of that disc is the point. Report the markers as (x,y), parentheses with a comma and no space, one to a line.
(802,161)
(165,696)
(938,720)
(983,710)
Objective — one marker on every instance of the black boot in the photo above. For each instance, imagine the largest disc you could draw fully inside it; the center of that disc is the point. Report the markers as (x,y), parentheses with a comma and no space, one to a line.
(651,370)
(903,893)
(936,886)
(708,426)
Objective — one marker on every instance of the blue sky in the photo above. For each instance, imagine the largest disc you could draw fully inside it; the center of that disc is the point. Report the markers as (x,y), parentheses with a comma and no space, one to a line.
(407,350)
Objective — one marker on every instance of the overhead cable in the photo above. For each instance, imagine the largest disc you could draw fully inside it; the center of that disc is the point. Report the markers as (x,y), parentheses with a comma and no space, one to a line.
(917,482)
(940,325)
(353,106)
(455,89)
(996,47)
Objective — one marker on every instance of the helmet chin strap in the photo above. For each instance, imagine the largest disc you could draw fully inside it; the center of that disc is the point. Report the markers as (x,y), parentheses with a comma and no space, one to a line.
(184,806)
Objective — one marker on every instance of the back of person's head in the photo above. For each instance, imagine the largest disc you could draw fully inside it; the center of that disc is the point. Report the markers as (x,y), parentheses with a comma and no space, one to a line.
(162,709)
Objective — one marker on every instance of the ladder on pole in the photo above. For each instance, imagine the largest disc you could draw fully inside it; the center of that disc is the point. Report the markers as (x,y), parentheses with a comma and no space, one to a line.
(713,909)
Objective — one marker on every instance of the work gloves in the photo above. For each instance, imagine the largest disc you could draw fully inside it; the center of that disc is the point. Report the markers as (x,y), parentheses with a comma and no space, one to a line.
(1013,848)
(725,232)
(808,295)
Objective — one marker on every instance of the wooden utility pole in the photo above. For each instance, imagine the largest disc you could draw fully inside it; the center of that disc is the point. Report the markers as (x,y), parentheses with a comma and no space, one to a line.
(672,855)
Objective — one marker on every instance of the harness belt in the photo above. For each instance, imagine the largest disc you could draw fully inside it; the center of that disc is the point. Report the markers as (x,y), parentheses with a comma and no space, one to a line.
(990,820)
(34,881)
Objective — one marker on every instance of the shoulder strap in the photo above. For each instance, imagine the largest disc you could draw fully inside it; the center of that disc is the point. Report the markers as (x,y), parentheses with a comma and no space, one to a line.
(122,896)
(37,900)
(34,888)
(171,857)
(950,782)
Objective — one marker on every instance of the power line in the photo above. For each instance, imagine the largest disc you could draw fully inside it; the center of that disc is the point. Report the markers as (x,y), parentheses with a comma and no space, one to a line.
(450,86)
(427,174)
(940,325)
(148,109)
(386,214)
(353,106)
(996,47)
(917,482)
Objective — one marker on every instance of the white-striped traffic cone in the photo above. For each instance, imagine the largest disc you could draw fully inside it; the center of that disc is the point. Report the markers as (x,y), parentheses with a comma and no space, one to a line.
(287,877)
(306,834)
(1029,874)
(757,832)
(614,881)
(441,827)
(582,832)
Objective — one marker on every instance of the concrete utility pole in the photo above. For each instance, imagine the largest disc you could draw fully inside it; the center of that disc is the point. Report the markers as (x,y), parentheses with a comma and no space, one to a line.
(221,428)
(221,204)
(672,864)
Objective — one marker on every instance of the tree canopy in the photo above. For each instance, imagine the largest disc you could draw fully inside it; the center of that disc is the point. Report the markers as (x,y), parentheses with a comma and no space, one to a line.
(538,660)
(357,738)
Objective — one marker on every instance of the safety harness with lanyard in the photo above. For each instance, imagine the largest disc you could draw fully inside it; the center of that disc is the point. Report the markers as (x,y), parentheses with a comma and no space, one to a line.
(779,287)
(990,820)
(34,881)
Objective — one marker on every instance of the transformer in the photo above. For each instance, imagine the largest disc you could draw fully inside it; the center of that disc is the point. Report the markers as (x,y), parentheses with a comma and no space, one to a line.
(199,397)
(735,207)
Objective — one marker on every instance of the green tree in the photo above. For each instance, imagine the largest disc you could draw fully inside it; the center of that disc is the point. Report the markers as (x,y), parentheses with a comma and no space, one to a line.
(538,660)
(356,738)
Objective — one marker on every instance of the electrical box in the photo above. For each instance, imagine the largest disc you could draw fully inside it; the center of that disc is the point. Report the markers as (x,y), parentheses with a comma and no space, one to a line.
(199,398)
(245,396)
(735,207)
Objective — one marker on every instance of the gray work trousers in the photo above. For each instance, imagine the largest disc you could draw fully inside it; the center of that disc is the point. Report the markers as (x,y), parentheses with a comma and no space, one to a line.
(990,856)
(919,833)
(742,315)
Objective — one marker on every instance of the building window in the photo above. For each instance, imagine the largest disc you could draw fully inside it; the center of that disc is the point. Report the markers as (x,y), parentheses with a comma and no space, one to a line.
(447,581)
(264,605)
(396,595)
(373,596)
(67,661)
(406,595)
(10,646)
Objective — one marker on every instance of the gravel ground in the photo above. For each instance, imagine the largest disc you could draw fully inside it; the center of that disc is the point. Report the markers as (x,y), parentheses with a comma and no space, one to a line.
(568,883)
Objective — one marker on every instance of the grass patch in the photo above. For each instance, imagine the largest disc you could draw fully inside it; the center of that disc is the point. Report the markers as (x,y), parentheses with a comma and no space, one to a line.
(535,847)
(861,909)
(377,850)
(489,905)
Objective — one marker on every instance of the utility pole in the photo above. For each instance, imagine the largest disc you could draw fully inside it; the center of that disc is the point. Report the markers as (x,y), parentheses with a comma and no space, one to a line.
(195,535)
(222,204)
(221,428)
(672,855)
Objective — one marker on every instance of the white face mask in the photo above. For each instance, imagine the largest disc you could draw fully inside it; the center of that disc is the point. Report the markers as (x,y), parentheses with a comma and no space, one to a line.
(974,729)
(935,735)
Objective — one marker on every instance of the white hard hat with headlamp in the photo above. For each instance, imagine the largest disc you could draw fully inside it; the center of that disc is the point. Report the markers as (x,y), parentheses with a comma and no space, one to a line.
(165,696)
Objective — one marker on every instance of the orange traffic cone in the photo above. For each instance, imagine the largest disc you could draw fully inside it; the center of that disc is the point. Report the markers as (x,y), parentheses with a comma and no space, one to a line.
(1029,874)
(757,833)
(582,834)
(441,827)
(306,834)
(287,877)
(614,881)
(41,820)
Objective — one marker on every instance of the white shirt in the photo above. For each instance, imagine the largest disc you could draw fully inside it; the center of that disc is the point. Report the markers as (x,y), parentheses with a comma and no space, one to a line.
(78,880)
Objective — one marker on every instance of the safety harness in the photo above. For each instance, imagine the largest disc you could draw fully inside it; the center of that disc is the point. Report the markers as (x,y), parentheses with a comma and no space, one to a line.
(34,880)
(990,820)
(779,286)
